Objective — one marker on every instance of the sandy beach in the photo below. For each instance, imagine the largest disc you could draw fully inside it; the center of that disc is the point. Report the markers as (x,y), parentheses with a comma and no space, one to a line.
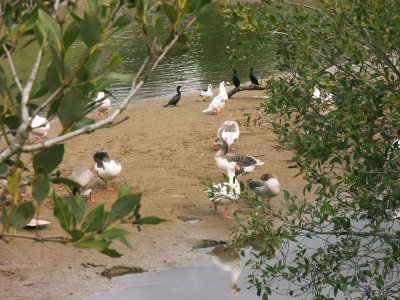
(165,154)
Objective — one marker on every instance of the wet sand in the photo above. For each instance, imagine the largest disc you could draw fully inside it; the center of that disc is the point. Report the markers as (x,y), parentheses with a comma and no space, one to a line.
(165,154)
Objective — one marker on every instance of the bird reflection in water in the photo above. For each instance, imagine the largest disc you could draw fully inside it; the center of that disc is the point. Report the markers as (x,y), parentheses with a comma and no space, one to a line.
(227,259)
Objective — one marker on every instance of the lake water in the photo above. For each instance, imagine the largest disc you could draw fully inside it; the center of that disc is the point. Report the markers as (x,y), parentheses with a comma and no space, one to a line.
(206,62)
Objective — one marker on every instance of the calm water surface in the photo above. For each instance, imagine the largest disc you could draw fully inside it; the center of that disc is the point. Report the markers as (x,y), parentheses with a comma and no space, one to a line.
(206,62)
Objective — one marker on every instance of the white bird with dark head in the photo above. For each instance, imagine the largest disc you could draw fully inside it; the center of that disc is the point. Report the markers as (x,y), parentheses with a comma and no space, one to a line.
(266,187)
(206,94)
(106,168)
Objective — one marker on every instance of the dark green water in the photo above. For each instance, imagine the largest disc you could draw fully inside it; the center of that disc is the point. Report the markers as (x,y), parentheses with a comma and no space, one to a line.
(206,62)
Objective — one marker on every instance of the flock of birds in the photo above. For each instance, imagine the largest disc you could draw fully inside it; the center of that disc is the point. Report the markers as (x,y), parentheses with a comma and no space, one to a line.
(234,165)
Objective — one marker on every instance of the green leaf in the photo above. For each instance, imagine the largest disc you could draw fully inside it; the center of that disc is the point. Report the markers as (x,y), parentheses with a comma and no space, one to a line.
(22,215)
(72,108)
(94,220)
(49,158)
(150,220)
(113,233)
(124,241)
(171,12)
(77,206)
(91,30)
(93,243)
(53,78)
(76,234)
(66,181)
(40,186)
(123,190)
(71,34)
(123,206)
(48,26)
(82,123)
(123,20)
(111,252)
(12,122)
(4,218)
(14,179)
(63,214)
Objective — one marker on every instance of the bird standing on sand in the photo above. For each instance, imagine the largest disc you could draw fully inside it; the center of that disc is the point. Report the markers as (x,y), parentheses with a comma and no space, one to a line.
(40,126)
(229,132)
(225,193)
(104,104)
(175,99)
(235,79)
(106,168)
(253,78)
(246,163)
(85,178)
(266,187)
(219,101)
(206,94)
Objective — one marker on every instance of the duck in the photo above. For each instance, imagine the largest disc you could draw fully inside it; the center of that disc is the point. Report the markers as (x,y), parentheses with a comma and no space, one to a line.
(229,131)
(228,259)
(83,176)
(106,168)
(235,79)
(326,98)
(266,187)
(253,77)
(175,99)
(225,193)
(104,103)
(206,94)
(246,163)
(218,101)
(40,126)
(21,191)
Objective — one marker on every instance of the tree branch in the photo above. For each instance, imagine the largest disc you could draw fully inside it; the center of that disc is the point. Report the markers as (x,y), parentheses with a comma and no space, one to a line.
(12,67)
(58,239)
(245,88)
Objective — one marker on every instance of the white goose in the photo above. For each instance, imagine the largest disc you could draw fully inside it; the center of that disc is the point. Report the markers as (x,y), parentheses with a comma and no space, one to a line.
(246,163)
(105,103)
(227,259)
(219,101)
(229,132)
(85,178)
(40,126)
(266,187)
(225,193)
(207,94)
(106,168)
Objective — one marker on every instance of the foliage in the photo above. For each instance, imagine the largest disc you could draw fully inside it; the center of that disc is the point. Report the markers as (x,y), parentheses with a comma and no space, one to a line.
(59,88)
(342,238)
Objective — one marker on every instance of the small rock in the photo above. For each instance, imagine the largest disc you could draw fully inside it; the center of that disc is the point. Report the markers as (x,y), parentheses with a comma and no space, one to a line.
(121,270)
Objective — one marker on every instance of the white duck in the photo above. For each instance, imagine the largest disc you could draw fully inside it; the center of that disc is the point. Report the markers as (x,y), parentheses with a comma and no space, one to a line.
(229,132)
(105,103)
(40,126)
(106,168)
(246,163)
(219,101)
(225,193)
(85,178)
(326,98)
(207,94)
(227,259)
(266,187)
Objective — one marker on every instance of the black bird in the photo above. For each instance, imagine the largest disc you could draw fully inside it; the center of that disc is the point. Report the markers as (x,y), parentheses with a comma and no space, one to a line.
(235,79)
(253,77)
(175,99)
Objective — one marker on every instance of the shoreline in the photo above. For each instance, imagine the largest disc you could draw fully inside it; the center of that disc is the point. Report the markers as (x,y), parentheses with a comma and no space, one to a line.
(165,155)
